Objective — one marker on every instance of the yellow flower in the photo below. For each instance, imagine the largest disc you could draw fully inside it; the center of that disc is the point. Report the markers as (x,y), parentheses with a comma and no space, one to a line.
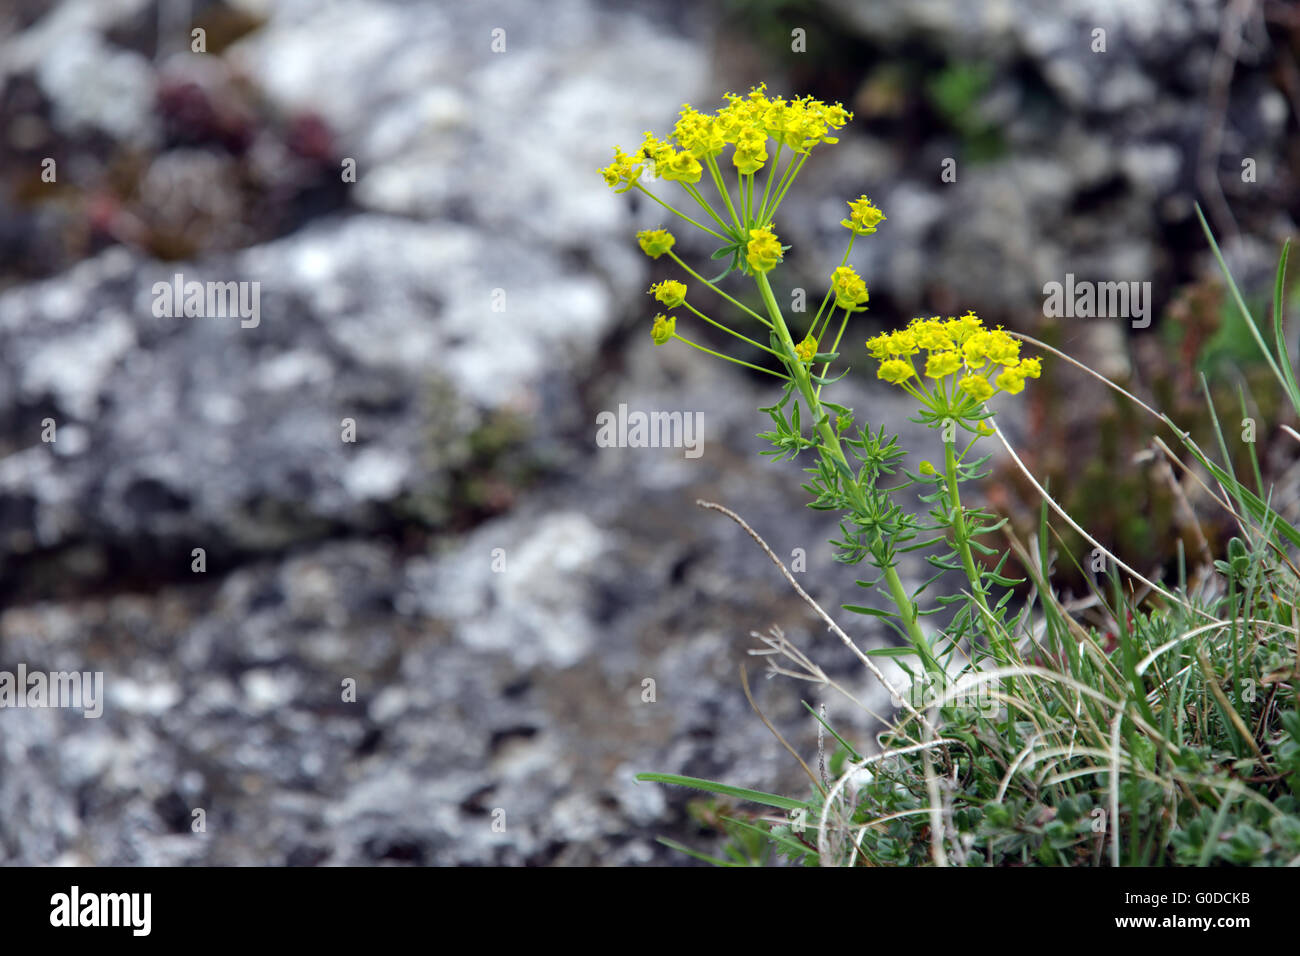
(655,242)
(747,121)
(835,115)
(736,117)
(925,468)
(895,371)
(623,171)
(942,364)
(977,387)
(961,329)
(1011,381)
(850,290)
(656,151)
(683,167)
(931,334)
(751,151)
(878,346)
(805,129)
(665,326)
(806,349)
(975,349)
(670,292)
(698,133)
(863,217)
(764,249)
(778,117)
(952,344)
(1002,348)
(903,342)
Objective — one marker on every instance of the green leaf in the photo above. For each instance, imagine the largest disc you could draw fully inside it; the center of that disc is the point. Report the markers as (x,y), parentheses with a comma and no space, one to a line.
(863,609)
(821,380)
(1253,503)
(1240,302)
(1003,582)
(891,652)
(726,790)
(1279,328)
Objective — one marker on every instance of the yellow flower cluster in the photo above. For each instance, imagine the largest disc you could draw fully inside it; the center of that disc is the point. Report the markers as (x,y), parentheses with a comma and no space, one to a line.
(798,124)
(665,326)
(621,175)
(670,292)
(746,122)
(990,358)
(850,290)
(669,163)
(806,349)
(750,153)
(655,242)
(863,216)
(764,249)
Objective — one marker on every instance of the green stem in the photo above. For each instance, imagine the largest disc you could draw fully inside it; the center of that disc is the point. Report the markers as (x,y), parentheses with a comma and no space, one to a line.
(791,172)
(700,278)
(743,338)
(723,191)
(831,289)
(771,174)
(728,358)
(678,212)
(831,446)
(694,193)
(843,325)
(962,538)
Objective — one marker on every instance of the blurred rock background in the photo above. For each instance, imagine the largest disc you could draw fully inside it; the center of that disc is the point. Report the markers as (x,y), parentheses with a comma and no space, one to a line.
(498,586)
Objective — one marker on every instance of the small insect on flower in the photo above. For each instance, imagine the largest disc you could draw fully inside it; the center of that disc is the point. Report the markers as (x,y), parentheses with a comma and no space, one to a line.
(621,175)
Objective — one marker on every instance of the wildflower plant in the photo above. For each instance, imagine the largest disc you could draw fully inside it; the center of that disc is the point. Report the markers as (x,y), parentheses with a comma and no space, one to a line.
(952,366)
(1161,729)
